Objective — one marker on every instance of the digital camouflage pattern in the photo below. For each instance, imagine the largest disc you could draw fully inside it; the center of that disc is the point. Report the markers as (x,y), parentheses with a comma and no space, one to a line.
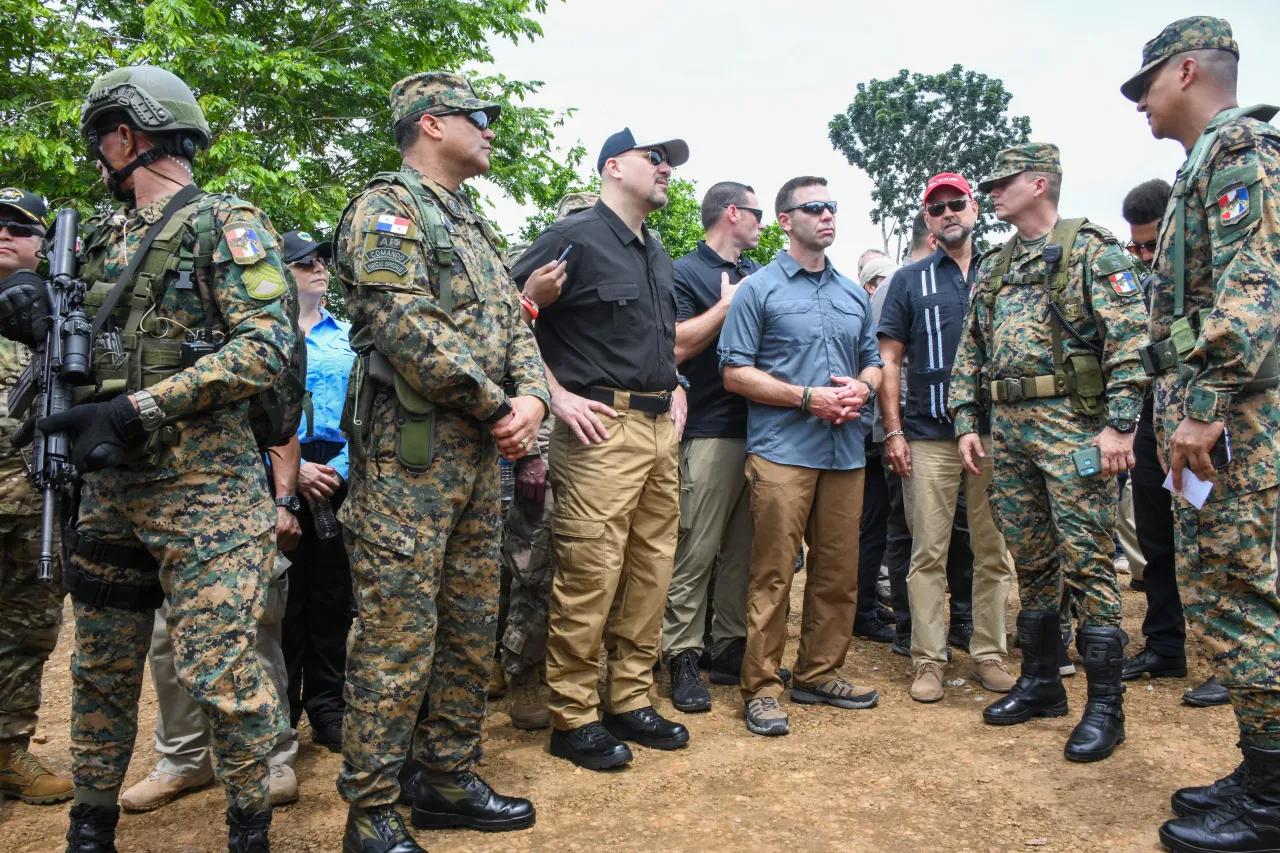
(202,510)
(1195,33)
(577,202)
(1055,523)
(438,92)
(30,611)
(424,546)
(1029,156)
(529,567)
(1233,268)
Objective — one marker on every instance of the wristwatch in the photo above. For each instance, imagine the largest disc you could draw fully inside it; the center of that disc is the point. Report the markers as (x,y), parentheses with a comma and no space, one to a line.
(1121,424)
(148,410)
(291,503)
(501,412)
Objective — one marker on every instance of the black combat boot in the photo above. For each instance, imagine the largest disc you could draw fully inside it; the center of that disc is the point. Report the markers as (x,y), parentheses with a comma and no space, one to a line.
(464,799)
(247,831)
(377,830)
(1247,823)
(688,693)
(93,829)
(1101,729)
(1202,799)
(1039,691)
(410,774)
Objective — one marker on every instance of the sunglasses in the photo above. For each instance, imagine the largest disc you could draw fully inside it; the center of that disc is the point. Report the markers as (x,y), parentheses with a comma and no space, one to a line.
(479,118)
(1135,248)
(814,208)
(309,261)
(655,156)
(19,229)
(956,205)
(754,211)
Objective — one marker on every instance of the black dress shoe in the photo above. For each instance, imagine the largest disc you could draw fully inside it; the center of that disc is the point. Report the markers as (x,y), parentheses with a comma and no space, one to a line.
(328,733)
(875,630)
(1202,799)
(1247,823)
(647,728)
(93,829)
(590,746)
(377,830)
(464,799)
(1207,695)
(1155,665)
(688,693)
(247,831)
(960,635)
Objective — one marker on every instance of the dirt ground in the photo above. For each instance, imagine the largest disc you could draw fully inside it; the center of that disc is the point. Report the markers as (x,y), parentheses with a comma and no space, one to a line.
(900,777)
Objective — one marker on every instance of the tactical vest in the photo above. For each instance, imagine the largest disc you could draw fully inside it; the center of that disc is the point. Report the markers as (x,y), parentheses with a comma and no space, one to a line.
(1079,376)
(372,374)
(143,350)
(1167,355)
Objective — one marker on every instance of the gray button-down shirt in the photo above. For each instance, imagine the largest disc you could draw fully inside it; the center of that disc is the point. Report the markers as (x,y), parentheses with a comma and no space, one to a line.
(802,329)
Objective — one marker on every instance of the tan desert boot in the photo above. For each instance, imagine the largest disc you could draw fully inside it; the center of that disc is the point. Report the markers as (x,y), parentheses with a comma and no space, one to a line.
(529,704)
(24,777)
(993,676)
(160,787)
(497,681)
(927,686)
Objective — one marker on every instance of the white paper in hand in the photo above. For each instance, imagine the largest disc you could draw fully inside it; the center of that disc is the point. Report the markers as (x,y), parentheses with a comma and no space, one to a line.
(1195,490)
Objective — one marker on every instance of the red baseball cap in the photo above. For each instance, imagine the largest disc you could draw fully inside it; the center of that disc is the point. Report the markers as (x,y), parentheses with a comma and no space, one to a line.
(946,179)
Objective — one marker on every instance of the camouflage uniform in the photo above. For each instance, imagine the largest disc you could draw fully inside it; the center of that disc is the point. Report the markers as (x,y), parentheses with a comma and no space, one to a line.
(199,506)
(1055,522)
(1232,242)
(30,610)
(424,545)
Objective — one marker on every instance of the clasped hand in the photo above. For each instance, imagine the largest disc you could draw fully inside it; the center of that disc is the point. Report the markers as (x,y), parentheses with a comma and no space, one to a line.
(840,402)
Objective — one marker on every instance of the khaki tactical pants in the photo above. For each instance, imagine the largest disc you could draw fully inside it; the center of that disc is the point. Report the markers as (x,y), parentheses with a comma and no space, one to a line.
(614,531)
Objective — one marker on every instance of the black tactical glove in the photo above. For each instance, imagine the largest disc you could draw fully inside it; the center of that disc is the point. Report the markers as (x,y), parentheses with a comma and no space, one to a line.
(100,433)
(24,308)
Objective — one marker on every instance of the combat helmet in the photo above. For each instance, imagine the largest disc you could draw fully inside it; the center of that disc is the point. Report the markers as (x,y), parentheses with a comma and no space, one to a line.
(155,101)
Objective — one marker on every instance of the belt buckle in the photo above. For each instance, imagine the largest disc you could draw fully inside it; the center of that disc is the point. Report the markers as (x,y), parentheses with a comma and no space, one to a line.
(1013,390)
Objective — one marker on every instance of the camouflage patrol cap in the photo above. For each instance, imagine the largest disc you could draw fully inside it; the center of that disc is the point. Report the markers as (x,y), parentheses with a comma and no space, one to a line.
(436,92)
(1027,157)
(1198,33)
(576,203)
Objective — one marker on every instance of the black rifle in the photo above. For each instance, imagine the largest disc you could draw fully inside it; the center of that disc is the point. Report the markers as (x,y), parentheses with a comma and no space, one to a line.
(59,363)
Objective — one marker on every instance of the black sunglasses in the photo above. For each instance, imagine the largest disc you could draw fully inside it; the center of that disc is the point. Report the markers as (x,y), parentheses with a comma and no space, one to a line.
(309,261)
(479,118)
(754,211)
(20,229)
(655,156)
(955,204)
(814,207)
(1135,248)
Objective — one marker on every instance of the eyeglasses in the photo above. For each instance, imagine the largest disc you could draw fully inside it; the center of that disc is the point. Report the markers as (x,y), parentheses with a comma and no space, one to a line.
(479,118)
(1135,248)
(655,156)
(309,261)
(814,208)
(956,204)
(754,211)
(19,229)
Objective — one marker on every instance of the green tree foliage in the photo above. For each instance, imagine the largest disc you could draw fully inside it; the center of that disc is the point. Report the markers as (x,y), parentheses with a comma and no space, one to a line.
(772,241)
(294,90)
(904,130)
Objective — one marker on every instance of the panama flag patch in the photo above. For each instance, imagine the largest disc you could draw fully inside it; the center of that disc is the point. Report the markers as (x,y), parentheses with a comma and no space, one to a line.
(1233,205)
(393,224)
(1124,283)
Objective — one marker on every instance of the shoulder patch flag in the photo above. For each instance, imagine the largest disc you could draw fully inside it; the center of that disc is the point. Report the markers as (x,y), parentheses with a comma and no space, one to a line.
(1124,283)
(245,245)
(1233,205)
(393,224)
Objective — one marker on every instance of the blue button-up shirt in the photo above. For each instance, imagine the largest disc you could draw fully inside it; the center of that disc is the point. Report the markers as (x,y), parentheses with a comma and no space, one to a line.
(329,358)
(801,328)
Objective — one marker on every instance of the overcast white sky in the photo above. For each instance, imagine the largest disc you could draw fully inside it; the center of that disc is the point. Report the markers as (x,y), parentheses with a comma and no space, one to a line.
(751,84)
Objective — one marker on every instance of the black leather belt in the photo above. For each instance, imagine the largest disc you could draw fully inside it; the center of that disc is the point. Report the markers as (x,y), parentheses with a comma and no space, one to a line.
(653,404)
(321,452)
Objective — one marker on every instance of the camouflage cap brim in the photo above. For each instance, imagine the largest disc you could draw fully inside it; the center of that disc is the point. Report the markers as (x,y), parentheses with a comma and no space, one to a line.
(995,177)
(1136,86)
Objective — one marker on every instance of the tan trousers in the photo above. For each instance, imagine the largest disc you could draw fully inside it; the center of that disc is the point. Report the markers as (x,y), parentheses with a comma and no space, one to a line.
(937,475)
(788,504)
(614,530)
(1128,533)
(715,531)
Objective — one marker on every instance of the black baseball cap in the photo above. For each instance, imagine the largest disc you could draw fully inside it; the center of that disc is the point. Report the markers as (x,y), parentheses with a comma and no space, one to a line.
(28,207)
(299,244)
(677,149)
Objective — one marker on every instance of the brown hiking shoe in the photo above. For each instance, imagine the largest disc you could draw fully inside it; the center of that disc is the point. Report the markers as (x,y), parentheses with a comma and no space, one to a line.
(160,787)
(497,681)
(927,686)
(993,676)
(837,692)
(24,777)
(529,703)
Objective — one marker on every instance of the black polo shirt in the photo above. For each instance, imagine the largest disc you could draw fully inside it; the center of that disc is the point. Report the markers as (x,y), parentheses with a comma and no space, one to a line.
(615,321)
(925,311)
(713,411)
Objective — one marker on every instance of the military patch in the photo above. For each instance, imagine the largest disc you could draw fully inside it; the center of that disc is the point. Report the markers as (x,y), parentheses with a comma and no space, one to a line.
(306,237)
(388,260)
(454,207)
(245,245)
(1124,283)
(384,241)
(393,225)
(1233,204)
(263,282)
(10,194)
